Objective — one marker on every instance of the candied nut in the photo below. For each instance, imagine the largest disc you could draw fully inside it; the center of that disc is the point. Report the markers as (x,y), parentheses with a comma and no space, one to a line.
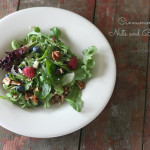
(81,84)
(15,96)
(56,55)
(15,83)
(28,95)
(37,89)
(31,88)
(56,99)
(59,71)
(62,98)
(65,91)
(34,98)
(6,81)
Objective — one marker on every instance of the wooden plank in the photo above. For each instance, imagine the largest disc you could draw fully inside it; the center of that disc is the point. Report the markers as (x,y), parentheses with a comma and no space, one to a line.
(120,125)
(146,141)
(11,141)
(146,138)
(7,7)
(84,8)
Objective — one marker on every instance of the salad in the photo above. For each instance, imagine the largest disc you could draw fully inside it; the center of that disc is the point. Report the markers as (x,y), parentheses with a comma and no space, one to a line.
(41,70)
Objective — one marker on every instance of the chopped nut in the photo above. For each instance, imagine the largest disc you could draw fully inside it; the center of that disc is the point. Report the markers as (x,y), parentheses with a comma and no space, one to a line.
(36,64)
(28,95)
(6,81)
(65,91)
(55,99)
(15,83)
(59,71)
(56,55)
(31,88)
(15,96)
(62,98)
(37,89)
(34,98)
(81,84)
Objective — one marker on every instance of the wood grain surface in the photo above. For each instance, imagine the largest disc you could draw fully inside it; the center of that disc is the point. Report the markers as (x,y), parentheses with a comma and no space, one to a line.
(13,141)
(120,126)
(125,123)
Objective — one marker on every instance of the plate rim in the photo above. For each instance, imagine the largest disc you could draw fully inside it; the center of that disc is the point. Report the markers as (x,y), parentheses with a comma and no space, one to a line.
(114,80)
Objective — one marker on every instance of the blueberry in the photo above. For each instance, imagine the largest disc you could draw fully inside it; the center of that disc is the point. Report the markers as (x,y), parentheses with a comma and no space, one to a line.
(30,49)
(6,75)
(20,89)
(36,49)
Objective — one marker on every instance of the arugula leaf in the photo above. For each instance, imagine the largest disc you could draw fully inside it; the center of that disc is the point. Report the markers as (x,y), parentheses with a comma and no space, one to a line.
(4,97)
(50,68)
(47,100)
(55,32)
(80,74)
(45,88)
(58,88)
(6,87)
(37,29)
(28,85)
(68,78)
(88,54)
(45,84)
(87,61)
(11,93)
(15,45)
(74,98)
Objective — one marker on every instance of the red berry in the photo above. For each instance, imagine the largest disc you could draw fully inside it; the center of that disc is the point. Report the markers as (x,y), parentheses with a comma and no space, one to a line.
(54,39)
(73,63)
(29,72)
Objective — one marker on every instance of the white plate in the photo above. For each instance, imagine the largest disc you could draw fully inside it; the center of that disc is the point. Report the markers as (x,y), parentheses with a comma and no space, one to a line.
(79,34)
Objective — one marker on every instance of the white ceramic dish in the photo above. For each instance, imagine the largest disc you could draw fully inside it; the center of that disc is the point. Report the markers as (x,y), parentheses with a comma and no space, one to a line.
(79,34)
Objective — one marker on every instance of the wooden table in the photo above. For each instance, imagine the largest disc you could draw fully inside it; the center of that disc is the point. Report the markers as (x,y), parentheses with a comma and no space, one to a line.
(125,122)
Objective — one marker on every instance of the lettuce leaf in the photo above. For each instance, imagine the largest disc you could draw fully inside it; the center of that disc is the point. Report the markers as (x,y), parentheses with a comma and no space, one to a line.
(55,32)
(87,63)
(74,98)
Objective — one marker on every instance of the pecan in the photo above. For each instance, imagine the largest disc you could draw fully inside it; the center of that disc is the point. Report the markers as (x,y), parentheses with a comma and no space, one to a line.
(56,99)
(15,96)
(81,84)
(34,98)
(59,71)
(31,88)
(15,83)
(37,89)
(28,95)
(62,98)
(65,91)
(6,81)
(56,55)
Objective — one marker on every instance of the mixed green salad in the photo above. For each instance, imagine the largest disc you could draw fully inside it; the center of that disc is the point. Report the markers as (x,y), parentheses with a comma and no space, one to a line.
(41,70)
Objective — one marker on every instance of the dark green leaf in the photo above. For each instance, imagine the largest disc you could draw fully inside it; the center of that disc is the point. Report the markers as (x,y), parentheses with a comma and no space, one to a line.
(74,98)
(55,32)
(15,45)
(37,29)
(68,78)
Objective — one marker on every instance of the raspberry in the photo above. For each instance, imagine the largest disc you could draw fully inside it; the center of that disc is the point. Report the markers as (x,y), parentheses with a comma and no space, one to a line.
(29,72)
(73,63)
